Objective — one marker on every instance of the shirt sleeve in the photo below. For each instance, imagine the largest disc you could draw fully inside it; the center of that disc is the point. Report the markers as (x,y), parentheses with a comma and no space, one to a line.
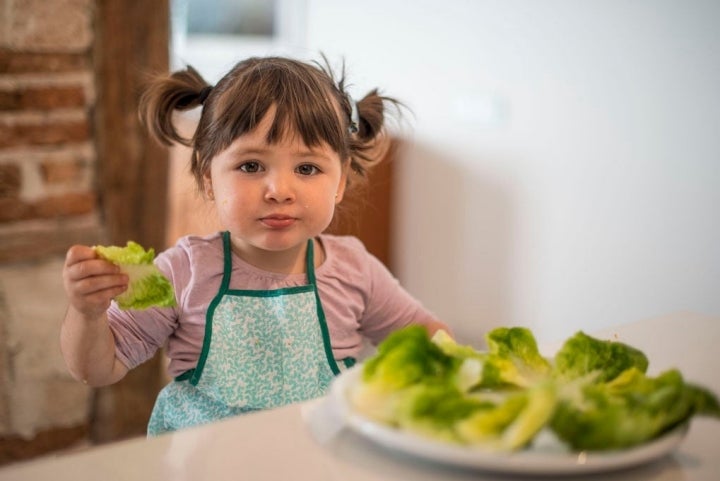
(388,306)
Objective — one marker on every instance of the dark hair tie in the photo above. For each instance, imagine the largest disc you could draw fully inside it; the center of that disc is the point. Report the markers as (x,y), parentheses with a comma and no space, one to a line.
(204,94)
(354,126)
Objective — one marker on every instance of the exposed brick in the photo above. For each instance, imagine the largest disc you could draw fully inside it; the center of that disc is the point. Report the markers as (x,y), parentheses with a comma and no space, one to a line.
(65,205)
(5,373)
(10,180)
(19,62)
(45,97)
(38,239)
(9,99)
(43,133)
(70,171)
(47,161)
(57,26)
(13,209)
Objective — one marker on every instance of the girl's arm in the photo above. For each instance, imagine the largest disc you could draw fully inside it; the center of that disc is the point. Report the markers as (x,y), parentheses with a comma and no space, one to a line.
(391,307)
(86,340)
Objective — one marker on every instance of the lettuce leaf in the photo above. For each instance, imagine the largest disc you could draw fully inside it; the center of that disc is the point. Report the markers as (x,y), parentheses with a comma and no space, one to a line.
(514,421)
(588,357)
(629,410)
(406,358)
(594,395)
(513,359)
(147,286)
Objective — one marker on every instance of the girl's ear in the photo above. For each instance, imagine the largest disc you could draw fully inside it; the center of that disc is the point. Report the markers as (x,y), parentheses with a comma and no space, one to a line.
(343,183)
(207,186)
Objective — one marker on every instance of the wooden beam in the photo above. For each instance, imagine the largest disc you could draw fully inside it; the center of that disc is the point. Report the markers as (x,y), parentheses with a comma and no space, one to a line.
(132,40)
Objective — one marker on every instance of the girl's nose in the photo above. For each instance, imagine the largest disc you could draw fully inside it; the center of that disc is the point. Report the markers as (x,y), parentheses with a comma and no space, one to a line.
(279,188)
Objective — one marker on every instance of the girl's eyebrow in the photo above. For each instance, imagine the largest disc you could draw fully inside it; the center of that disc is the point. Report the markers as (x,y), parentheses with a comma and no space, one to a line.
(239,150)
(315,153)
(303,152)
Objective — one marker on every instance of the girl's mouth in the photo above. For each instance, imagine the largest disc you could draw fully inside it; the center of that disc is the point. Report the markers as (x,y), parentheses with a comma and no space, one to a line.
(277,221)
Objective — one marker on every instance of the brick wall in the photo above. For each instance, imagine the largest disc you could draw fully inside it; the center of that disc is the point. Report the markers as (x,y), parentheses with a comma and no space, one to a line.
(48,201)
(47,159)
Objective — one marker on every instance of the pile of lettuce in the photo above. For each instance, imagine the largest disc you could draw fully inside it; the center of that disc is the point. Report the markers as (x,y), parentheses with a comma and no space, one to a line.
(147,286)
(593,395)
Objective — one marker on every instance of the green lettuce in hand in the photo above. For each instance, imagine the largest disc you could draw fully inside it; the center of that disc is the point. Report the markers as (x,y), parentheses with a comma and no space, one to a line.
(147,286)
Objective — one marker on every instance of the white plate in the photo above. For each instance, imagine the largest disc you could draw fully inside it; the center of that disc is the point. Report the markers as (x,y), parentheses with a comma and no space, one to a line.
(547,456)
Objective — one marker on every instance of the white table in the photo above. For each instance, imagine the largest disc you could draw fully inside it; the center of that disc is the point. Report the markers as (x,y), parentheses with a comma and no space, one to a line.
(294,442)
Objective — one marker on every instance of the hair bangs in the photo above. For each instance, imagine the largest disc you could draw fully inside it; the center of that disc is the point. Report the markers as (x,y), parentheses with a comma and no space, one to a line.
(303,107)
(309,117)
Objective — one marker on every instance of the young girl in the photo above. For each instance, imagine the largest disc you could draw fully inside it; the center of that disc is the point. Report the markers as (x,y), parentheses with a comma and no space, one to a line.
(269,310)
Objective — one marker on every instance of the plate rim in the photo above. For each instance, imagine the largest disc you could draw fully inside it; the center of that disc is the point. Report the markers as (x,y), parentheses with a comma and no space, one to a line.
(518,462)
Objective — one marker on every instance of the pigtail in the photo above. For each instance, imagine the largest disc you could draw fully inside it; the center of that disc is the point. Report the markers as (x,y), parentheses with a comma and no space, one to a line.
(371,116)
(369,144)
(181,90)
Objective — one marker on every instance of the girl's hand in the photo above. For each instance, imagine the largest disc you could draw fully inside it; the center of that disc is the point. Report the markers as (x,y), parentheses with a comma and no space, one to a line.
(90,282)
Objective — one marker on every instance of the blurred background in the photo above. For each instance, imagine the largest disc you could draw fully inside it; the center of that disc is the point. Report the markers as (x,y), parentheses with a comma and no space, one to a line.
(559,164)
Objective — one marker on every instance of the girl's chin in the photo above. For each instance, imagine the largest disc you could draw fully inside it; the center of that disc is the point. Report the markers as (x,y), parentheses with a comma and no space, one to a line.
(275,243)
(274,240)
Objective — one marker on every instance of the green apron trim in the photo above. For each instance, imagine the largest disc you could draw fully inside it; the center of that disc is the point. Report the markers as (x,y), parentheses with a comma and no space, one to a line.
(273,293)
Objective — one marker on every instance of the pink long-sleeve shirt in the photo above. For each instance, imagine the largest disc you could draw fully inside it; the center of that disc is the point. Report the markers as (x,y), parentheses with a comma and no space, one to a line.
(360,297)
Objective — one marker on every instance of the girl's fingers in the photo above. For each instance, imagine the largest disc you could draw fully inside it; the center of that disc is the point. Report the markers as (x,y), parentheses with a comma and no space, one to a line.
(78,253)
(90,268)
(96,303)
(91,282)
(89,285)
(82,261)
(103,297)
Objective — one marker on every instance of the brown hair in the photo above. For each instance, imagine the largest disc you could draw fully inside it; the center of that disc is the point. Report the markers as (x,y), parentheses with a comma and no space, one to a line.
(309,101)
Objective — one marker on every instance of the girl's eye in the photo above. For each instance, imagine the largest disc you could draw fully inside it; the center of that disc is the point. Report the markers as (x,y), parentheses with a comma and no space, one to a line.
(249,167)
(307,169)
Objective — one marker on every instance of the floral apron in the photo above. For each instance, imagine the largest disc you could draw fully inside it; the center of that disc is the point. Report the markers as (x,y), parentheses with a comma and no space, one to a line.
(262,349)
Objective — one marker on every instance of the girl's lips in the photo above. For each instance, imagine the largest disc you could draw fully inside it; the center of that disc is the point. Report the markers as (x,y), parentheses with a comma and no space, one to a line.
(277,221)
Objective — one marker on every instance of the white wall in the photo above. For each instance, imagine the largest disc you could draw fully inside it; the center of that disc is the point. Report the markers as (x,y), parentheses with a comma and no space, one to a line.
(565,170)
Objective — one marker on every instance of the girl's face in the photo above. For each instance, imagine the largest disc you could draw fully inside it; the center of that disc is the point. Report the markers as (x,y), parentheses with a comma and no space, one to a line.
(273,198)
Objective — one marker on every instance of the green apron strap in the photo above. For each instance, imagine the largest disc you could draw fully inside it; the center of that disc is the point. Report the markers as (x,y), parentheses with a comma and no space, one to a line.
(227,262)
(310,262)
(310,258)
(194,374)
